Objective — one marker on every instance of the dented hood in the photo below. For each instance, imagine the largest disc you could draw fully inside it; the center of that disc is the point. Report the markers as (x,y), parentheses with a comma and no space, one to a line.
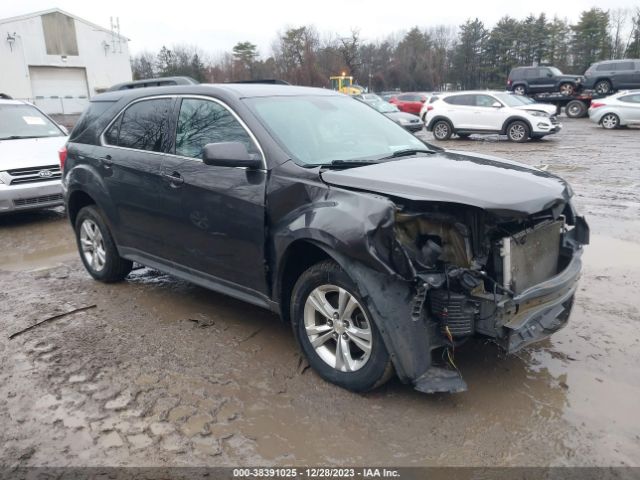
(496,185)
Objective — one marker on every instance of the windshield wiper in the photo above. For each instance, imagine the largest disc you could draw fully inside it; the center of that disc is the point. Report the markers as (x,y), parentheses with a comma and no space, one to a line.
(343,163)
(407,152)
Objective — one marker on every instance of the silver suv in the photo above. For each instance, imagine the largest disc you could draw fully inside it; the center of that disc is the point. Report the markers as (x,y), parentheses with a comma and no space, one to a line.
(29,169)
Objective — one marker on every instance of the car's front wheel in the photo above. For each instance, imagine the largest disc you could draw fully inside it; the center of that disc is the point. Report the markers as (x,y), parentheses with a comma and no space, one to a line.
(335,330)
(567,89)
(97,248)
(610,121)
(518,131)
(442,130)
(602,87)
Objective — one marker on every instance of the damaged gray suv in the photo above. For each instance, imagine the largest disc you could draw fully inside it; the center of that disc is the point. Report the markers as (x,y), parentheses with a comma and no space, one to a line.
(380,250)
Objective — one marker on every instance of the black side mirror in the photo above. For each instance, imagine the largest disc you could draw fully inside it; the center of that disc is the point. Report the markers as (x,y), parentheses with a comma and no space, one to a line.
(230,154)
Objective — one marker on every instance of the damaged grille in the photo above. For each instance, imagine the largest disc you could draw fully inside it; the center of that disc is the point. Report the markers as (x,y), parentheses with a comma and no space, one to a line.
(531,256)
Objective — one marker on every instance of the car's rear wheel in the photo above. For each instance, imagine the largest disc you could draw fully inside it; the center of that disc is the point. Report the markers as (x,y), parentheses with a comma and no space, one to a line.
(442,130)
(610,121)
(97,248)
(602,87)
(519,90)
(518,131)
(335,330)
(567,89)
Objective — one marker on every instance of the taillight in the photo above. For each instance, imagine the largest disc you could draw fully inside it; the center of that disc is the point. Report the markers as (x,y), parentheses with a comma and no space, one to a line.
(62,155)
(429,108)
(509,82)
(597,104)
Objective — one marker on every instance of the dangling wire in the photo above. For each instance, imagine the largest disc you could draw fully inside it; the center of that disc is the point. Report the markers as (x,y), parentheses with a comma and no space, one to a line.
(451,353)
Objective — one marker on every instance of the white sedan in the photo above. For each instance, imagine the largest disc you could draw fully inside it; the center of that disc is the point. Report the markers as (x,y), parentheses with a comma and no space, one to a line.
(618,110)
(29,169)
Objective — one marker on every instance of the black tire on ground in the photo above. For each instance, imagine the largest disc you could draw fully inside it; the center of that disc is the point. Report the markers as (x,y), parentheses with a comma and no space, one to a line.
(575,109)
(442,130)
(567,88)
(113,268)
(518,131)
(602,87)
(519,90)
(610,121)
(328,276)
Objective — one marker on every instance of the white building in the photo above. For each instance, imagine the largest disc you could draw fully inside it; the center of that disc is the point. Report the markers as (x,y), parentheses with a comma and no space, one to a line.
(58,61)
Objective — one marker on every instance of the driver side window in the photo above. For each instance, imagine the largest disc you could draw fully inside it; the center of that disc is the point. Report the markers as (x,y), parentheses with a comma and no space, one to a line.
(203,121)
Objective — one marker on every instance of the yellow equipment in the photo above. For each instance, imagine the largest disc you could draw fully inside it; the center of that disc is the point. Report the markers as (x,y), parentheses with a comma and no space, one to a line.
(344,84)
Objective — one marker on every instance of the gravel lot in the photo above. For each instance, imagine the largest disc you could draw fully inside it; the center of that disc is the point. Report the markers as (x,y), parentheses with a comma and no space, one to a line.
(165,373)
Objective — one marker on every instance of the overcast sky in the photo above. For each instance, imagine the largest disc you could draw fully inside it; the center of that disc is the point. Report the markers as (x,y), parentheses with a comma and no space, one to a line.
(216,25)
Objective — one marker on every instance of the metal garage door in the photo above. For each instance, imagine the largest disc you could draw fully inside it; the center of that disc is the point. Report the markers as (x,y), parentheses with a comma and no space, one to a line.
(59,89)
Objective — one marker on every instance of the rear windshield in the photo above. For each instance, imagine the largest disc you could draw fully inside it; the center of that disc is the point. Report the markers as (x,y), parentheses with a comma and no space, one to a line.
(25,121)
(89,117)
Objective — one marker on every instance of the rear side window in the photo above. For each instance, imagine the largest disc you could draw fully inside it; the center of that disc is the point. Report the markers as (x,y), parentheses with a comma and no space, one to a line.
(468,100)
(89,118)
(635,98)
(516,74)
(203,121)
(532,73)
(624,66)
(143,126)
(606,66)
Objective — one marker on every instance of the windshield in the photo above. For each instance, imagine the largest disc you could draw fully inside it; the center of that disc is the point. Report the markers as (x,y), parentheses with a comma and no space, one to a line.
(512,100)
(25,121)
(317,130)
(379,104)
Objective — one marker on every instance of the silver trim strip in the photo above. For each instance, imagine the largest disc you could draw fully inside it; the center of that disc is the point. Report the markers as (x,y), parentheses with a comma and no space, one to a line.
(103,143)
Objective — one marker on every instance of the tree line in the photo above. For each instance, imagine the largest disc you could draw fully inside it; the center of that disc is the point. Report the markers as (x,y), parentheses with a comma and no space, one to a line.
(470,55)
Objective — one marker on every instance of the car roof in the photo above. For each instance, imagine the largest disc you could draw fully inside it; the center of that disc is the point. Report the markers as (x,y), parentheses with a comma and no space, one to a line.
(13,102)
(617,60)
(237,90)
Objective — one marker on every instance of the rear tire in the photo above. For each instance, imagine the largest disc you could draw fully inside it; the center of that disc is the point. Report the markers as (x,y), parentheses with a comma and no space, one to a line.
(610,121)
(575,109)
(602,87)
(329,317)
(519,90)
(518,131)
(97,249)
(442,130)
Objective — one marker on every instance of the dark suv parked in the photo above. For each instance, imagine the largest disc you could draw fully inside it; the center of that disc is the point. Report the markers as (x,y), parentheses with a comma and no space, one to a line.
(382,251)
(524,80)
(605,77)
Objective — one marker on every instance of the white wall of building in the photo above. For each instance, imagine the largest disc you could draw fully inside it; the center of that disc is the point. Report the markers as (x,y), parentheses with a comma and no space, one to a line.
(104,66)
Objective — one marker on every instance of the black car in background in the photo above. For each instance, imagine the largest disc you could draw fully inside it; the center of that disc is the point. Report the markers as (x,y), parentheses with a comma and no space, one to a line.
(528,80)
(382,251)
(610,75)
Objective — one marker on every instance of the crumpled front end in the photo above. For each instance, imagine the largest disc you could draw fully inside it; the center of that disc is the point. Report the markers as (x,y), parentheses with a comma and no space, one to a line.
(509,278)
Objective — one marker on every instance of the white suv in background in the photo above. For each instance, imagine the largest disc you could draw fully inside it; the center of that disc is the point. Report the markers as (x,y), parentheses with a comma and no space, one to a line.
(465,113)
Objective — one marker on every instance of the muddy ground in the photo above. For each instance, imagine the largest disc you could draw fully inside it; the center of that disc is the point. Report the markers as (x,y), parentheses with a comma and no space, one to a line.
(162,372)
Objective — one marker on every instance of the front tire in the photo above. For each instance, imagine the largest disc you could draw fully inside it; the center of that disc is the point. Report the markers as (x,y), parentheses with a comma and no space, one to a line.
(97,248)
(567,89)
(602,87)
(610,121)
(518,131)
(442,130)
(335,329)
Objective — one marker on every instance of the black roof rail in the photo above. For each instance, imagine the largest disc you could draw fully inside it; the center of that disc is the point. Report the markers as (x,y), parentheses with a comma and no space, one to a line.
(153,82)
(4,96)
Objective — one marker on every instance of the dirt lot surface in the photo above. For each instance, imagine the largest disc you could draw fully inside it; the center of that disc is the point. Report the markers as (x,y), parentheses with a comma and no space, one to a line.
(162,372)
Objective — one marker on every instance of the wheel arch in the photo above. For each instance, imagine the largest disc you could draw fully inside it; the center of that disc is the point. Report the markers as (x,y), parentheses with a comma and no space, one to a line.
(437,118)
(77,200)
(512,119)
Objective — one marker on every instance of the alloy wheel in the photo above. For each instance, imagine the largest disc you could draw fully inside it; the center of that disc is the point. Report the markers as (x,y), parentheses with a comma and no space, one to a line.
(602,87)
(517,132)
(92,244)
(441,130)
(610,121)
(566,89)
(519,90)
(338,328)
